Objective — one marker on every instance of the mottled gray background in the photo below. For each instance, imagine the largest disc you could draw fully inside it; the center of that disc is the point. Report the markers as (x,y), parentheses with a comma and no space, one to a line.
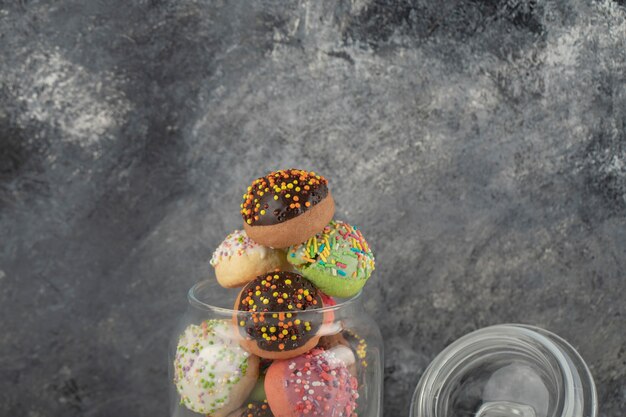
(480,145)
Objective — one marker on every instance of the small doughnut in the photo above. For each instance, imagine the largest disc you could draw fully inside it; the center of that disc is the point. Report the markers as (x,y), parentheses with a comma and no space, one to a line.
(253,409)
(330,326)
(258,392)
(212,373)
(286,207)
(337,260)
(277,317)
(315,384)
(239,259)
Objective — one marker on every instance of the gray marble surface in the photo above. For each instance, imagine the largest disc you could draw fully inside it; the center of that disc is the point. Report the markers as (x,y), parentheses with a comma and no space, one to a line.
(480,145)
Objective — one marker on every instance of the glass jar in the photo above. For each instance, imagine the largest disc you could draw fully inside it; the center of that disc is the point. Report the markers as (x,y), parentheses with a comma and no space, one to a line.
(212,374)
(506,371)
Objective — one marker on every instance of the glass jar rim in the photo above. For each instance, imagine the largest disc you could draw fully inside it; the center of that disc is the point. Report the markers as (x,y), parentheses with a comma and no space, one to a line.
(577,379)
(194,300)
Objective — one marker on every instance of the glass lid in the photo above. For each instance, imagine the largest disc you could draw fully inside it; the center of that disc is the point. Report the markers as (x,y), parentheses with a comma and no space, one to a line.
(506,371)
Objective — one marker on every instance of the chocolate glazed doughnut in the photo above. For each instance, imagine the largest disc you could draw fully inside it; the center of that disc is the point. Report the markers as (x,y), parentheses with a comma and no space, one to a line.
(286,207)
(273,319)
(253,409)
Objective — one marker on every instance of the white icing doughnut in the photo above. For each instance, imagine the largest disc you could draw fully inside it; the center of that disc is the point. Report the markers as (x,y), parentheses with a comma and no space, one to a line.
(212,373)
(237,244)
(239,259)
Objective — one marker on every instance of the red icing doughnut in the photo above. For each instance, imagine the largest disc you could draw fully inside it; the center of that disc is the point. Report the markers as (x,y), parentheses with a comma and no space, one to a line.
(315,384)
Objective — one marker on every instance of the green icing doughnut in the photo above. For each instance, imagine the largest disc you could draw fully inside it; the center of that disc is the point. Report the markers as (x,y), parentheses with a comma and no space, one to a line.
(258,392)
(337,260)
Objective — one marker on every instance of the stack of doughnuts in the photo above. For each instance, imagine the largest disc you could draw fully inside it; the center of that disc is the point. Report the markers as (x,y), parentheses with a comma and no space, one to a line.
(282,353)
